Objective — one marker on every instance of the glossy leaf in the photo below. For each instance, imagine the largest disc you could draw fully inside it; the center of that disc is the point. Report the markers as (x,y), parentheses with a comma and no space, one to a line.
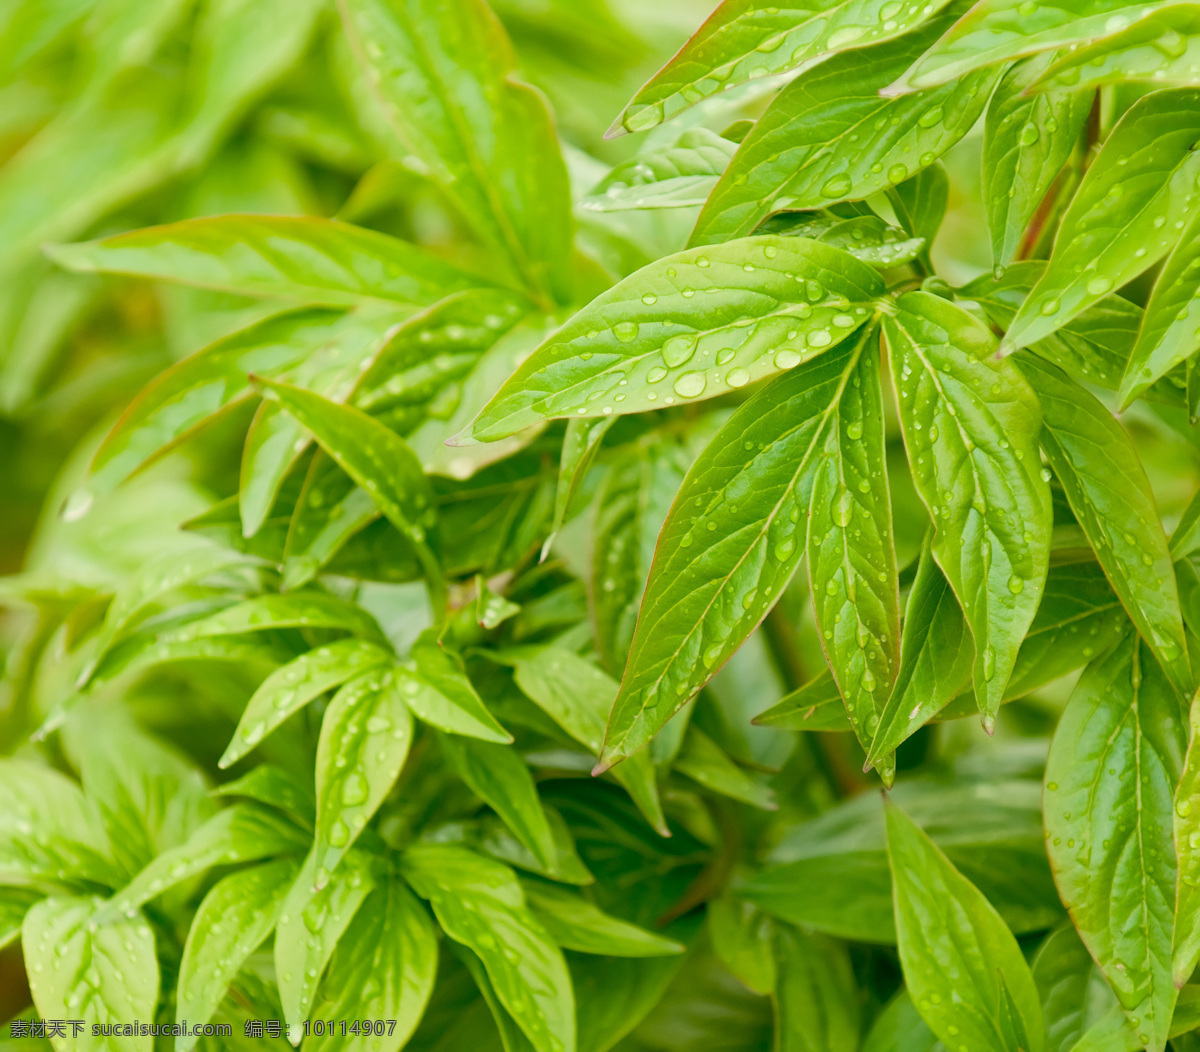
(383,968)
(479,904)
(230,923)
(1104,480)
(365,736)
(816,1001)
(830,136)
(816,706)
(1026,141)
(444,696)
(1187,848)
(311,260)
(290,688)
(765,304)
(709,587)
(1110,776)
(445,73)
(851,553)
(576,924)
(970,425)
(100,973)
(1168,333)
(954,944)
(741,40)
(1133,202)
(294,610)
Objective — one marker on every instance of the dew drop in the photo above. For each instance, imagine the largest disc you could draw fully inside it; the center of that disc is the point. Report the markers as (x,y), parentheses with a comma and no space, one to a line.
(690,384)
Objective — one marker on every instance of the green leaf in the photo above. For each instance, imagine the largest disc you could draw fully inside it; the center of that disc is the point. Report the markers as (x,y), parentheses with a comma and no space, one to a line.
(741,937)
(704,761)
(445,75)
(289,689)
(816,706)
(936,656)
(479,904)
(581,443)
(953,944)
(14,904)
(312,921)
(383,968)
(440,693)
(96,972)
(1168,333)
(578,696)
(194,391)
(614,995)
(1185,538)
(851,553)
(499,777)
(1187,846)
(995,30)
(678,176)
(377,459)
(970,426)
(920,203)
(1106,485)
(241,833)
(809,148)
(231,922)
(306,259)
(729,546)
(1162,45)
(294,610)
(765,304)
(1129,210)
(1026,141)
(48,828)
(816,998)
(900,1028)
(365,736)
(1073,992)
(870,239)
(1113,766)
(742,40)
(576,924)
(276,788)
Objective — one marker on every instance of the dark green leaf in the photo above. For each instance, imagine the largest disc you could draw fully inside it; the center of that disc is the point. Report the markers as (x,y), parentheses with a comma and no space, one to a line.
(741,936)
(816,997)
(1073,992)
(817,706)
(576,924)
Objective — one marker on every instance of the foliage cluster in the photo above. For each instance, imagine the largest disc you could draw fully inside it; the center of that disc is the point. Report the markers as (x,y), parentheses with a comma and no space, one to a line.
(526,555)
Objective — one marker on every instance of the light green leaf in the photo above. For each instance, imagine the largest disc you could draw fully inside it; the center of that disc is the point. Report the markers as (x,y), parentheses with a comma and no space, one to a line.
(1026,141)
(48,827)
(365,736)
(289,689)
(830,136)
(704,761)
(241,833)
(377,459)
(311,923)
(497,840)
(851,553)
(440,693)
(900,1028)
(97,972)
(742,40)
(498,776)
(1106,485)
(731,543)
(1161,46)
(577,924)
(194,391)
(306,259)
(765,304)
(970,426)
(816,706)
(936,656)
(445,74)
(14,904)
(292,610)
(870,239)
(383,968)
(953,944)
(479,904)
(1134,200)
(995,30)
(230,924)
(578,697)
(1168,333)
(678,176)
(1073,992)
(920,203)
(581,443)
(1187,846)
(816,997)
(276,788)
(1113,766)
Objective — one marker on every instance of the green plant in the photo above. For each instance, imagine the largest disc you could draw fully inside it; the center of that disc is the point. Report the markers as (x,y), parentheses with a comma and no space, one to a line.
(440,714)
